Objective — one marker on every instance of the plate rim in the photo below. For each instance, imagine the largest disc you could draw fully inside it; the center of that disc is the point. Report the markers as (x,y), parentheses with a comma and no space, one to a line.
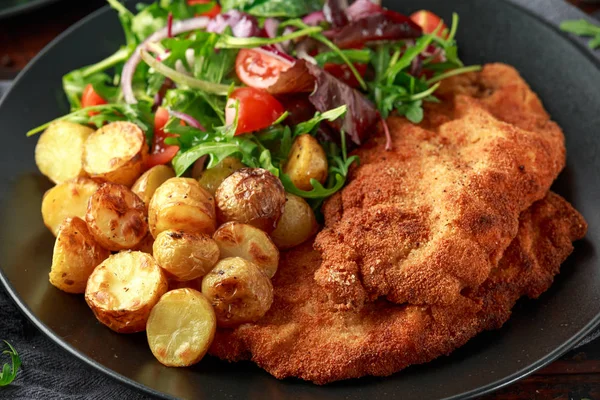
(479,391)
(19,9)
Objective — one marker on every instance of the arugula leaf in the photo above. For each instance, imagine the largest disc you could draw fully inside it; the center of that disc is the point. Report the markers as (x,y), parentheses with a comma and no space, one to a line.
(355,56)
(274,8)
(8,373)
(148,21)
(232,42)
(181,10)
(310,125)
(126,18)
(583,27)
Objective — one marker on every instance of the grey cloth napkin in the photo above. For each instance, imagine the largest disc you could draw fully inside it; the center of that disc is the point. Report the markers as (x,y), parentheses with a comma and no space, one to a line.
(48,372)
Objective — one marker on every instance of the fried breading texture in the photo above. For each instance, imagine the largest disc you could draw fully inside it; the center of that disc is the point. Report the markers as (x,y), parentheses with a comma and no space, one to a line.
(303,336)
(431,218)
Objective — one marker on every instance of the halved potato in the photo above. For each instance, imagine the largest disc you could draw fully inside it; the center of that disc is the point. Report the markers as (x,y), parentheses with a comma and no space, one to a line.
(66,200)
(306,161)
(181,204)
(181,328)
(115,153)
(238,290)
(296,225)
(210,179)
(252,196)
(123,289)
(58,153)
(117,217)
(150,180)
(76,254)
(185,256)
(241,240)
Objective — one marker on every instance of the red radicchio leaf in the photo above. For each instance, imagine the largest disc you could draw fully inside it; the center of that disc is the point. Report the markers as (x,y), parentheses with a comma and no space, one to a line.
(387,25)
(335,12)
(326,93)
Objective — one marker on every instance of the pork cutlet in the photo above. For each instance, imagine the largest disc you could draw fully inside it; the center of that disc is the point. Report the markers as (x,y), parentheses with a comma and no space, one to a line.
(431,218)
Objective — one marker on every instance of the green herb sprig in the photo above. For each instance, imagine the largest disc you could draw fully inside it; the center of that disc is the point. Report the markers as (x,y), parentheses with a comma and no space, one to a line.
(581,27)
(9,372)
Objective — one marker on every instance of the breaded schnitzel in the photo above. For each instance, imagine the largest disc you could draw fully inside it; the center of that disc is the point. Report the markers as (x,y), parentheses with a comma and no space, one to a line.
(303,336)
(433,217)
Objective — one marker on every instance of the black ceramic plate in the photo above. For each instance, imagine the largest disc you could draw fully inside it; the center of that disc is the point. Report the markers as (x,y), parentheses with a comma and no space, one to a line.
(538,332)
(13,7)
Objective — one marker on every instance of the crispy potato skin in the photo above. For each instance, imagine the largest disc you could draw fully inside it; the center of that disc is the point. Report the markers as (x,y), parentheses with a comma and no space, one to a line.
(76,254)
(182,204)
(66,200)
(212,178)
(181,328)
(115,153)
(150,180)
(252,196)
(238,290)
(248,242)
(185,256)
(123,289)
(307,160)
(296,225)
(117,217)
(58,153)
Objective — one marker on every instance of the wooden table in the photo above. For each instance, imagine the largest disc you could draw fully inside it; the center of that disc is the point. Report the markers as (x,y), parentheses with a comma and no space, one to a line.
(575,376)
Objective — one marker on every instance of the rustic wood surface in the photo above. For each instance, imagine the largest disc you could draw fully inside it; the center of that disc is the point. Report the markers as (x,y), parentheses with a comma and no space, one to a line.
(575,376)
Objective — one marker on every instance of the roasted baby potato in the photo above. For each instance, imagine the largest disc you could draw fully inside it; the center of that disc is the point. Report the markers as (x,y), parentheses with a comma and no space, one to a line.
(76,254)
(210,179)
(185,256)
(150,180)
(58,153)
(66,200)
(306,161)
(117,217)
(238,290)
(145,245)
(296,225)
(252,196)
(181,328)
(115,153)
(248,242)
(123,289)
(181,204)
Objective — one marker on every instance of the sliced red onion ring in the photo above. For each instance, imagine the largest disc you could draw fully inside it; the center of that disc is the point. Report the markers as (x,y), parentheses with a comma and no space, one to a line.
(271,25)
(361,9)
(177,28)
(242,24)
(188,119)
(314,18)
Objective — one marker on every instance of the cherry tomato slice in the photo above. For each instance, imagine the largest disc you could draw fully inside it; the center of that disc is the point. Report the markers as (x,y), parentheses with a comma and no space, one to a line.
(257,69)
(91,98)
(344,73)
(428,21)
(257,109)
(162,153)
(213,12)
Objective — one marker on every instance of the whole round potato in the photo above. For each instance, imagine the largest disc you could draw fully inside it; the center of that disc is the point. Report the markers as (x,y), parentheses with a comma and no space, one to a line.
(181,328)
(210,179)
(241,240)
(150,180)
(76,254)
(252,196)
(238,290)
(66,200)
(123,290)
(185,256)
(296,225)
(116,153)
(306,161)
(181,204)
(58,153)
(117,217)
